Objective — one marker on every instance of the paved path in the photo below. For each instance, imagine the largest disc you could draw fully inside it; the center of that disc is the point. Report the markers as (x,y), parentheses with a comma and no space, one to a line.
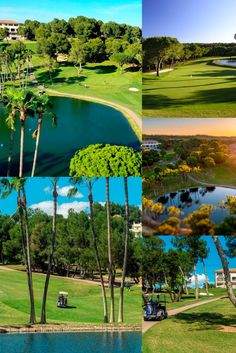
(148,324)
(126,111)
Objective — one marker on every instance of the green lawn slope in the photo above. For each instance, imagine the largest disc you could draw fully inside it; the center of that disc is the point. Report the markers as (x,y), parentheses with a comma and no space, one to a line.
(84,298)
(194,89)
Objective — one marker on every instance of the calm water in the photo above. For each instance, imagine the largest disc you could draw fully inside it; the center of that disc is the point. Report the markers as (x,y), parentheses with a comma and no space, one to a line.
(227,62)
(125,342)
(80,123)
(189,200)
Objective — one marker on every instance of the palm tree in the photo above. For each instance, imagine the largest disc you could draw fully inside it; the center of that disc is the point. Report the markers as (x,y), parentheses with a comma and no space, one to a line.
(90,196)
(18,185)
(225,266)
(121,303)
(9,102)
(23,103)
(110,260)
(42,106)
(71,193)
(51,253)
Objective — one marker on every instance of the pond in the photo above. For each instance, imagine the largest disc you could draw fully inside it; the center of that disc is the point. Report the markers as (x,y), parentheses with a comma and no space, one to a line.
(80,123)
(191,199)
(118,342)
(226,62)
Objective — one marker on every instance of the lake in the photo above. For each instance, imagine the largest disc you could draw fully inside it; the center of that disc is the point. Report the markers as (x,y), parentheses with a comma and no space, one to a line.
(118,342)
(189,200)
(80,123)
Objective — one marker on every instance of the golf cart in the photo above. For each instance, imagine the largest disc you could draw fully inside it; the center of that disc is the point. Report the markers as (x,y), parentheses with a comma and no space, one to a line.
(62,300)
(155,309)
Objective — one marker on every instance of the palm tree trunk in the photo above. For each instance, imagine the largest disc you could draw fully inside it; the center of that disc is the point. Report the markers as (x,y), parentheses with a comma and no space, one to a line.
(30,279)
(206,279)
(109,241)
(22,138)
(225,266)
(10,152)
(105,311)
(196,281)
(40,120)
(50,257)
(185,282)
(121,303)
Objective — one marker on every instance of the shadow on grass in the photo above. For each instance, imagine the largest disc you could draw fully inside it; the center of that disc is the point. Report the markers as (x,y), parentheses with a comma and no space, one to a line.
(212,96)
(205,320)
(46,79)
(102,69)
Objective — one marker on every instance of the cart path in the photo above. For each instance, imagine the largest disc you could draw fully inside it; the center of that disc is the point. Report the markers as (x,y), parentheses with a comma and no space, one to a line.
(126,111)
(148,324)
(208,184)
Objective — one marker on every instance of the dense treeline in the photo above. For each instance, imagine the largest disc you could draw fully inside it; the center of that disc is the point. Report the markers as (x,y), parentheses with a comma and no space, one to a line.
(160,52)
(170,270)
(74,252)
(86,40)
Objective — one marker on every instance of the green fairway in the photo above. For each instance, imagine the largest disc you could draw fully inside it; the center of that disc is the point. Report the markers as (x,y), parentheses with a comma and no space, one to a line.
(195,330)
(84,298)
(194,89)
(100,80)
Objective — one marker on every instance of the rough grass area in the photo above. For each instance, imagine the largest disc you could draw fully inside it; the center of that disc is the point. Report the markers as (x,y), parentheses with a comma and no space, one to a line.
(194,89)
(85,300)
(196,330)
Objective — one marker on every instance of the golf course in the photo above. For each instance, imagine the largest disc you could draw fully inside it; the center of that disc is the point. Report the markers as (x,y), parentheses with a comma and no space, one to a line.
(209,327)
(197,88)
(84,300)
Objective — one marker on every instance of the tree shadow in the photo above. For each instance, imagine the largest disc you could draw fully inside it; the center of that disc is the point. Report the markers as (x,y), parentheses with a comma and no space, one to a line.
(159,101)
(205,320)
(101,69)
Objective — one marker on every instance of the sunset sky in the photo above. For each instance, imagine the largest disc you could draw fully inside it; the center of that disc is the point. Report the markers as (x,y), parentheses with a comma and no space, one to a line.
(194,126)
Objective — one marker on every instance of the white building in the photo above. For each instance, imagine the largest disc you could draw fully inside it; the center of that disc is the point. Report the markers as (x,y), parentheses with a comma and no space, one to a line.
(13,28)
(151,145)
(136,229)
(220,278)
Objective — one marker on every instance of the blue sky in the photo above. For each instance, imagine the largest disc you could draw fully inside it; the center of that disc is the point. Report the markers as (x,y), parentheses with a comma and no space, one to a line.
(120,11)
(190,20)
(212,262)
(39,194)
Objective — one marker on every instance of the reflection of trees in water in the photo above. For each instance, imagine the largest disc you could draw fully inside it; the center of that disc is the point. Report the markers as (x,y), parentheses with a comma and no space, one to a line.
(185,198)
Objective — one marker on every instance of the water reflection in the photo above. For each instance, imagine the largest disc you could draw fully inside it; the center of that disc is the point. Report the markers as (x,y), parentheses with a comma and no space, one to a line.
(190,199)
(114,342)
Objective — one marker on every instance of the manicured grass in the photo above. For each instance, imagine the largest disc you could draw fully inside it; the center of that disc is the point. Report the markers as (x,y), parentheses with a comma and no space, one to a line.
(194,89)
(190,298)
(84,298)
(100,80)
(195,330)
(220,175)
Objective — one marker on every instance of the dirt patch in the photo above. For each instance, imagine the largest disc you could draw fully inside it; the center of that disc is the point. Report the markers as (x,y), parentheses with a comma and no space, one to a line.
(225,328)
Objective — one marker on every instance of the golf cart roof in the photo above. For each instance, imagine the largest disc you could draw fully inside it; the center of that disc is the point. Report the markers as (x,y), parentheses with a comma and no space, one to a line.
(63,293)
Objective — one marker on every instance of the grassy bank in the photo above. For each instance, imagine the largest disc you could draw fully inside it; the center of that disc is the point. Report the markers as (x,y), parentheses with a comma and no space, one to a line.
(194,89)
(197,330)
(85,300)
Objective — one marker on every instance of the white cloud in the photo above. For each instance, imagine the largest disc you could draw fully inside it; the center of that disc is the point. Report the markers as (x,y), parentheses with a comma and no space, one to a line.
(201,280)
(63,191)
(63,209)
